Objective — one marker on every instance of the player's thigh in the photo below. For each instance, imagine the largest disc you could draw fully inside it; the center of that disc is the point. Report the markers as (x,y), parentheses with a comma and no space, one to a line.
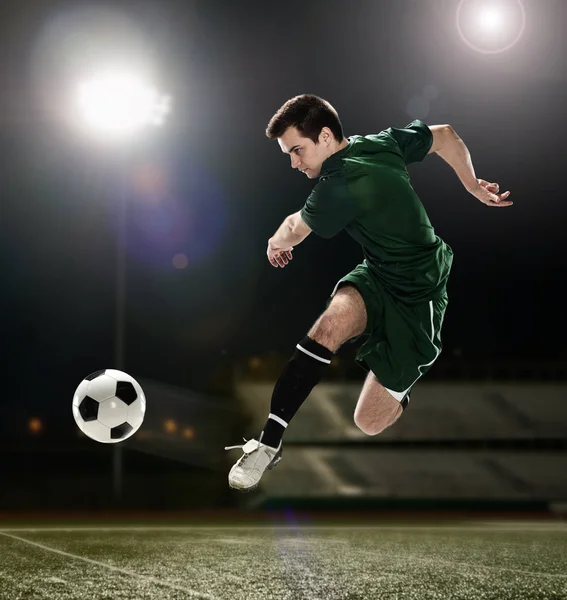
(376,408)
(344,319)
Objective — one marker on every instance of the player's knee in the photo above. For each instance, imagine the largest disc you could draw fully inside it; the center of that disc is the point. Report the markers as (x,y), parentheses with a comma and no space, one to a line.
(373,422)
(367,425)
(325,332)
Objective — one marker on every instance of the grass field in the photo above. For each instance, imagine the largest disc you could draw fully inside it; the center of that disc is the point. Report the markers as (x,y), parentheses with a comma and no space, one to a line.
(421,562)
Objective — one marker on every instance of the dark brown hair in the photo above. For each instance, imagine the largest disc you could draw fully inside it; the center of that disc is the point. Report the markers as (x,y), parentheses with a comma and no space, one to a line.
(309,114)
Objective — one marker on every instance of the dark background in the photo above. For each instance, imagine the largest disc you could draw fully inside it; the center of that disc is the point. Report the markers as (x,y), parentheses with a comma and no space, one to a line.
(209,185)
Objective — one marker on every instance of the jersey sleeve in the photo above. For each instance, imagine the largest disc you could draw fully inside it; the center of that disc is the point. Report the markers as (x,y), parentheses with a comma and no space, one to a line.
(414,140)
(330,208)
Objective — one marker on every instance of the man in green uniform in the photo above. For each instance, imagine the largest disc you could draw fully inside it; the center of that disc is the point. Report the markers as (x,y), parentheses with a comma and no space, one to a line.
(396,298)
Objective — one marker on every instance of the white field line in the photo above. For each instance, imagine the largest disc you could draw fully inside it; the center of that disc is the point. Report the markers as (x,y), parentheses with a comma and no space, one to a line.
(112,568)
(511,527)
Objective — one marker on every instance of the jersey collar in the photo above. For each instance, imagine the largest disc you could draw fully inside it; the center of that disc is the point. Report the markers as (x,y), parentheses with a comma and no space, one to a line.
(333,163)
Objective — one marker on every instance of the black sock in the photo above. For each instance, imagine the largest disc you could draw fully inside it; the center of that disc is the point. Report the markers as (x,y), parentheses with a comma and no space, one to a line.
(301,374)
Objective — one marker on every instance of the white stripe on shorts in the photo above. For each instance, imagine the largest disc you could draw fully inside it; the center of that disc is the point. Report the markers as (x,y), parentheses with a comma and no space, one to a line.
(399,396)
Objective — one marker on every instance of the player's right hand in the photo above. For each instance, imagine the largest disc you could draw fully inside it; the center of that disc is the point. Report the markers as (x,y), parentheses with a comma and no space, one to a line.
(488,194)
(279,258)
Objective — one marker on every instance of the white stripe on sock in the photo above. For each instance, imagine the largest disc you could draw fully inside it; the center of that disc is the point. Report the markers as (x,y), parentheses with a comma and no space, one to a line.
(324,360)
(277,420)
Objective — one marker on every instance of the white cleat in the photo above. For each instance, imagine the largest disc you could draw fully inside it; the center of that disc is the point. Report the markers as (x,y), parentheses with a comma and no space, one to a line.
(245,475)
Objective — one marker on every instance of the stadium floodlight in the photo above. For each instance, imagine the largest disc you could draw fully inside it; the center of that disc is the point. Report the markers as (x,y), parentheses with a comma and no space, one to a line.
(503,24)
(119,104)
(491,19)
(115,105)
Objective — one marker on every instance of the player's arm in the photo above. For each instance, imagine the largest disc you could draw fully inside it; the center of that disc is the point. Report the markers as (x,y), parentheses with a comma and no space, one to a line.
(290,233)
(451,148)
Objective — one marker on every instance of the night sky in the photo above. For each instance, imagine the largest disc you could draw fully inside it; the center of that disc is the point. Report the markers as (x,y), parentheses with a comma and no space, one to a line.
(210,186)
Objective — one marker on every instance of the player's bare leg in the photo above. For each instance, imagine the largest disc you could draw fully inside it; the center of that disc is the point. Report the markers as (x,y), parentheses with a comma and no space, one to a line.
(344,318)
(376,408)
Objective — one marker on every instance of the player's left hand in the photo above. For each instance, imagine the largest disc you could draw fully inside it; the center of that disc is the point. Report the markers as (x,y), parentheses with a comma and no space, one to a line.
(279,257)
(488,193)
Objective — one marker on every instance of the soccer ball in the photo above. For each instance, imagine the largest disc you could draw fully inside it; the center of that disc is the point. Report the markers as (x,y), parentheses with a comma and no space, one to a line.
(109,406)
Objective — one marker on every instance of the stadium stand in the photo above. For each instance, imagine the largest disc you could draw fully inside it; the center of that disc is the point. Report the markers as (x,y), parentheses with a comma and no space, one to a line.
(435,412)
(477,441)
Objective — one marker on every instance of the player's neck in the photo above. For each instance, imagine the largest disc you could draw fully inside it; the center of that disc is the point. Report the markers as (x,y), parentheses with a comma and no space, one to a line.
(339,146)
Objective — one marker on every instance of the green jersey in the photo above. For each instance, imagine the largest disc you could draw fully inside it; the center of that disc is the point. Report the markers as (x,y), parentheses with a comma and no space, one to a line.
(365,189)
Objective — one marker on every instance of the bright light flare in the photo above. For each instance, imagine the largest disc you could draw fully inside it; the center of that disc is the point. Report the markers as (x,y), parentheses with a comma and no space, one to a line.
(119,104)
(491,28)
(491,19)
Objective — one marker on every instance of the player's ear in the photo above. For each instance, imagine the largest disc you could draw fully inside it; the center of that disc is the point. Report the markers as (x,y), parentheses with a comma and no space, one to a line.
(325,136)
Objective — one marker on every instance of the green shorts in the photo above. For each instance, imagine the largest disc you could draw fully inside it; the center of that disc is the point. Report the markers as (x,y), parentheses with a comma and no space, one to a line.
(403,340)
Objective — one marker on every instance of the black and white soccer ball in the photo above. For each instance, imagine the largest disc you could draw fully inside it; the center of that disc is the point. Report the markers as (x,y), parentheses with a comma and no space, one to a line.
(109,406)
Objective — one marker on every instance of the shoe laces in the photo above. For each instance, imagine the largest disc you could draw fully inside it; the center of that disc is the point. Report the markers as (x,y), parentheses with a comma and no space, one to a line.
(245,456)
(235,447)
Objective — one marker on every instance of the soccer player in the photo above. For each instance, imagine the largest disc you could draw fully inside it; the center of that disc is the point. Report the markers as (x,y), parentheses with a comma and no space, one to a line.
(396,298)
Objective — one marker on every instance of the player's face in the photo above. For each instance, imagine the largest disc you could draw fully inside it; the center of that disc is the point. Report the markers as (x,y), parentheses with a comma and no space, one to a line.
(305,155)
